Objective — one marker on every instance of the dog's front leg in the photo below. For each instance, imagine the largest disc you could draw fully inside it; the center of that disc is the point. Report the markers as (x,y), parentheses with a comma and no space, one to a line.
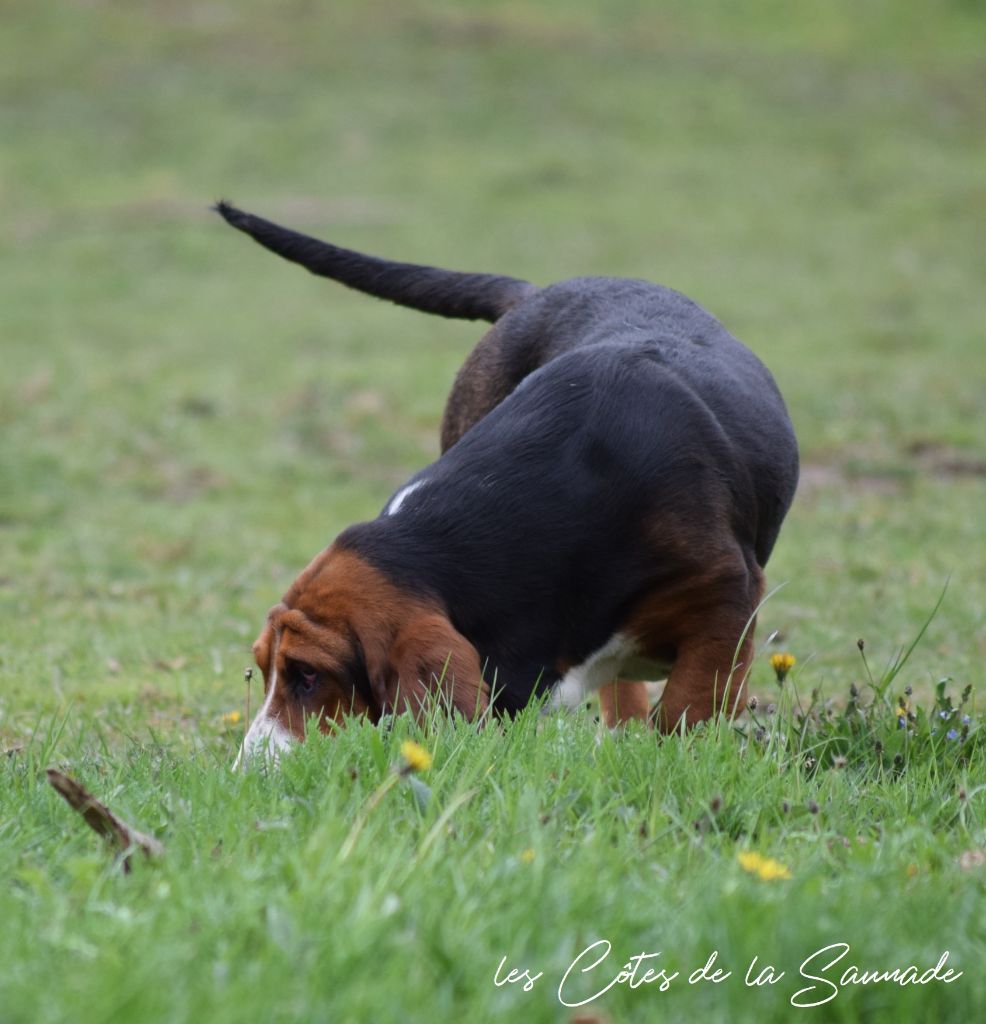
(623,701)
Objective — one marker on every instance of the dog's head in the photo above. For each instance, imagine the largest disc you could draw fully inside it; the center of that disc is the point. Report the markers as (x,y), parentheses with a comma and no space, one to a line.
(347,641)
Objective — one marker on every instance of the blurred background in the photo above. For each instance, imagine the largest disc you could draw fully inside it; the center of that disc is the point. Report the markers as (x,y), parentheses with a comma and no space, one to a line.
(185,420)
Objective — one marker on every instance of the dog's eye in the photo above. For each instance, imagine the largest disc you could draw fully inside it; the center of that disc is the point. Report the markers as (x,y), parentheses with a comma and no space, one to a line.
(304,679)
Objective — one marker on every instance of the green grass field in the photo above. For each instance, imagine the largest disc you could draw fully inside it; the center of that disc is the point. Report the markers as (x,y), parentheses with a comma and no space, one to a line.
(185,421)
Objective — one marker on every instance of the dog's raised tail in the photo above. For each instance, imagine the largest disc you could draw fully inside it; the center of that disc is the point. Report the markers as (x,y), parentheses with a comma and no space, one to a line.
(429,289)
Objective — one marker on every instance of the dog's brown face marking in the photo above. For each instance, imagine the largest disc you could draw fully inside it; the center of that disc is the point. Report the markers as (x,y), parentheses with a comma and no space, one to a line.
(317,669)
(347,641)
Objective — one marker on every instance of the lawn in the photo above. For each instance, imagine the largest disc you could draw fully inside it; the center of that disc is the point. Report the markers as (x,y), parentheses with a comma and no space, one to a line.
(185,421)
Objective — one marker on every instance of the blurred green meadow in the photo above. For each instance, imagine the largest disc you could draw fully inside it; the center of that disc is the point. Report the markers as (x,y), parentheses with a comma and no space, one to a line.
(185,420)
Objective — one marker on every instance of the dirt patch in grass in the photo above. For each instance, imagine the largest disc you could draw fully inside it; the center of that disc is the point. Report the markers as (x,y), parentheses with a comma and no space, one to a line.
(865,471)
(936,459)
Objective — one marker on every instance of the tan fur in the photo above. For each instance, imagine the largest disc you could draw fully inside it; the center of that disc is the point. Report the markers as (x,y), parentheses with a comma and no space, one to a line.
(412,651)
(706,624)
(623,701)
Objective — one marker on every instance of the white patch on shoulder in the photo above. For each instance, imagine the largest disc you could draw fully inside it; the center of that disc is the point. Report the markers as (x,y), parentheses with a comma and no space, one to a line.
(398,499)
(266,737)
(618,658)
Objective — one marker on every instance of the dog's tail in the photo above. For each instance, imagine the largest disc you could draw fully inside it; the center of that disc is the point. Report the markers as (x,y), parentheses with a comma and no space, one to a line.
(444,292)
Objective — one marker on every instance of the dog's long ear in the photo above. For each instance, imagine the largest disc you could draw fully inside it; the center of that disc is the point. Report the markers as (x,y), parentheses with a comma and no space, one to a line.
(263,645)
(262,649)
(430,658)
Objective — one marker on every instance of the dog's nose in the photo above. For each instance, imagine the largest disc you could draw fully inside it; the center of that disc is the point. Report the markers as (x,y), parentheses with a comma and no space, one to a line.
(265,740)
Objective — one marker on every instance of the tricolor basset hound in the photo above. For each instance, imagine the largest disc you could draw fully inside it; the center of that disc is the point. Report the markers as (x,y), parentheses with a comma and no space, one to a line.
(615,469)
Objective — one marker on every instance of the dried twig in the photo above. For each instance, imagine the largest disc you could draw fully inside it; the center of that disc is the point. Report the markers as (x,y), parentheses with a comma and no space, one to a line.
(102,820)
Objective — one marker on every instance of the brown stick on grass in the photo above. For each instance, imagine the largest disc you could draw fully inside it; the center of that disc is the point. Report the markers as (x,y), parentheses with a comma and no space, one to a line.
(102,820)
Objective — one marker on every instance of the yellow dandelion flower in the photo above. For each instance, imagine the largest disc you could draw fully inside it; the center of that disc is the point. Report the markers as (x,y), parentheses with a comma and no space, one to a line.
(416,758)
(232,717)
(527,857)
(765,868)
(782,664)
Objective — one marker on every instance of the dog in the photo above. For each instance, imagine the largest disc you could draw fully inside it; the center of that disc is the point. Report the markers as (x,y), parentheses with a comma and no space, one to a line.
(614,474)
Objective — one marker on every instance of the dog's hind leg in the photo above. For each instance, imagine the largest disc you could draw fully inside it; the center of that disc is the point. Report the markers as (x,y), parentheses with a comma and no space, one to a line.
(709,676)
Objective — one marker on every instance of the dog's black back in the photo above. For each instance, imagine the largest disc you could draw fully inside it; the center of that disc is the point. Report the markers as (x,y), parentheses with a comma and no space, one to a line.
(691,345)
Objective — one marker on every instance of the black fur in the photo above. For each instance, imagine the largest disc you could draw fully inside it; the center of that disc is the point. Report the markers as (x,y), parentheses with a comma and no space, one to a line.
(442,292)
(691,345)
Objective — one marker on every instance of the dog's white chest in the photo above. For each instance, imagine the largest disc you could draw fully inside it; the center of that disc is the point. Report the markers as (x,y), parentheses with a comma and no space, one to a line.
(618,658)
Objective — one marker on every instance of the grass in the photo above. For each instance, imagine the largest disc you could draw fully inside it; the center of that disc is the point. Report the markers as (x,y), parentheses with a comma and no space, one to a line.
(536,841)
(185,421)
